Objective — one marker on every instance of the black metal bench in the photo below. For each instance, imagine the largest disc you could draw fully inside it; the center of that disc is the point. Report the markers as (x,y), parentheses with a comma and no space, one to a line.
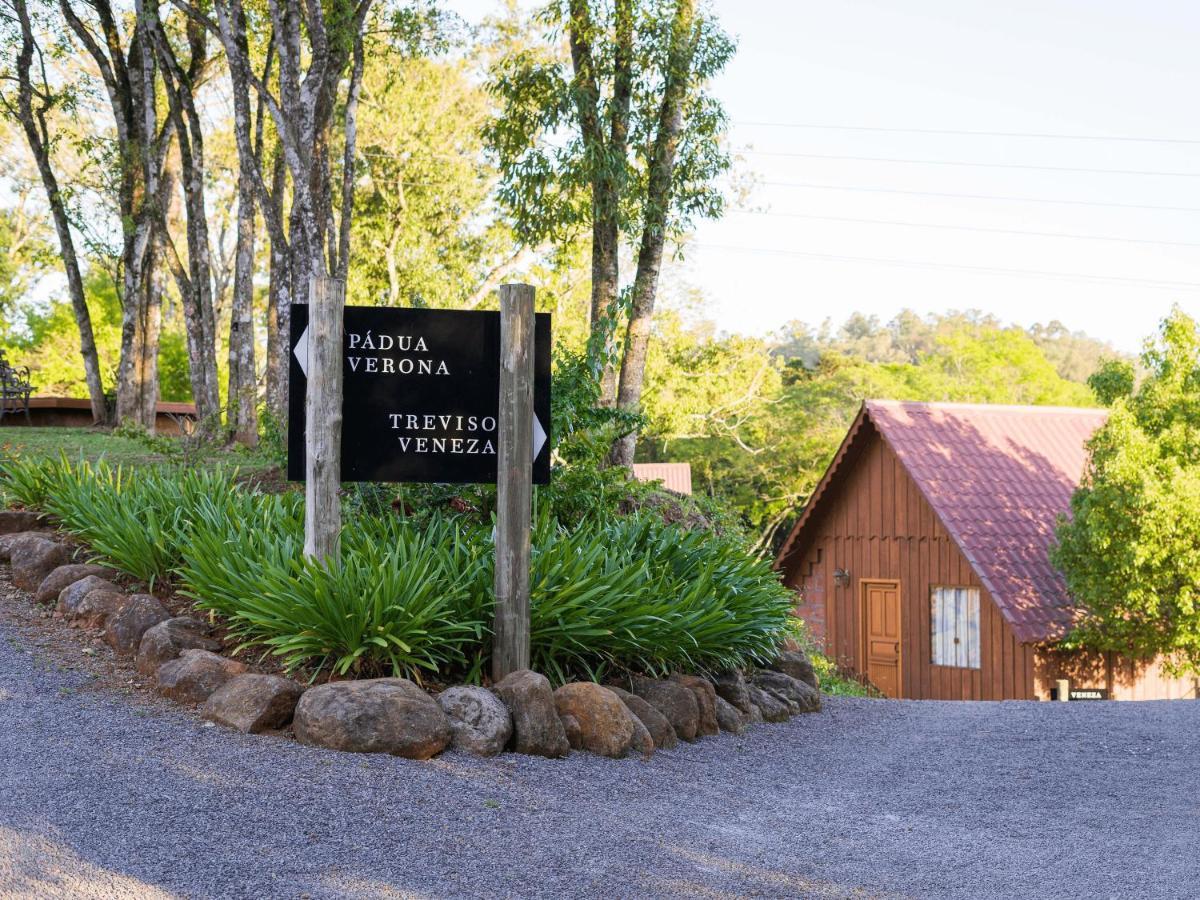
(15,388)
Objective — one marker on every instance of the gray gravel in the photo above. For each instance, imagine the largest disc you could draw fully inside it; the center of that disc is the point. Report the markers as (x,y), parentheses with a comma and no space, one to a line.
(106,795)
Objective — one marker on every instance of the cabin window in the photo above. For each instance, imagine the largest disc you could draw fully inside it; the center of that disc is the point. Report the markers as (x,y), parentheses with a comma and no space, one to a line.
(955,618)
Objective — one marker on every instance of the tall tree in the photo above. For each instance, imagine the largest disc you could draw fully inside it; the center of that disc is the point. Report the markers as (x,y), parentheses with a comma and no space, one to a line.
(194,279)
(623,138)
(33,105)
(128,69)
(1130,550)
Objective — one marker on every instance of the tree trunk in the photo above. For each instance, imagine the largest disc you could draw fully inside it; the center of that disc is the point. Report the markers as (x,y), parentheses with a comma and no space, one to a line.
(33,123)
(658,199)
(242,414)
(151,329)
(279,318)
(196,290)
(605,311)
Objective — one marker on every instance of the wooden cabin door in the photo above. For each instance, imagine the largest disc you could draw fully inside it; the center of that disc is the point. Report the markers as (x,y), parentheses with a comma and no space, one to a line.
(881,635)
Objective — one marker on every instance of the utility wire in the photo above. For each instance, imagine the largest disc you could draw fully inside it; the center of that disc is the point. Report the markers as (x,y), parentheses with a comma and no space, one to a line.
(997,197)
(953,131)
(979,165)
(989,270)
(980,228)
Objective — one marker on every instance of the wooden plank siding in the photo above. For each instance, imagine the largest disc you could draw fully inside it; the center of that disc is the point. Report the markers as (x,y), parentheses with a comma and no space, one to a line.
(877,525)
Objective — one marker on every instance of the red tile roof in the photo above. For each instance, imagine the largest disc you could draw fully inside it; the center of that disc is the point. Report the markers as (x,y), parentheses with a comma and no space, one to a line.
(998,477)
(675,477)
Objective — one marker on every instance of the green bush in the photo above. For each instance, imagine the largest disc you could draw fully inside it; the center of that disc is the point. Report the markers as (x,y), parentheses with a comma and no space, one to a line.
(638,594)
(398,602)
(31,481)
(134,518)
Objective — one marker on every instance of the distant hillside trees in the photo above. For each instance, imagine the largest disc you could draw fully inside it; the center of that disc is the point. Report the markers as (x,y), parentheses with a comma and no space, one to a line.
(760,420)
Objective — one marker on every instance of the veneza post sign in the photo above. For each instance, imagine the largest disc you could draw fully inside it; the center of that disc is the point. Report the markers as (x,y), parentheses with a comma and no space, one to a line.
(420,395)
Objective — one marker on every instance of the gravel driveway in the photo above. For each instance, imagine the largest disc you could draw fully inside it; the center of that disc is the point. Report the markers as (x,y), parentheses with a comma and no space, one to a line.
(104,794)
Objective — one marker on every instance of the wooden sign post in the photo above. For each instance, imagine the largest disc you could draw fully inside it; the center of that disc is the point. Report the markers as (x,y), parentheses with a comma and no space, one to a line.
(514,482)
(323,418)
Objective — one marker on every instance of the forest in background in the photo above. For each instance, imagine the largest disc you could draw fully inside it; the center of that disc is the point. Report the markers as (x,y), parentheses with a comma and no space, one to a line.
(443,210)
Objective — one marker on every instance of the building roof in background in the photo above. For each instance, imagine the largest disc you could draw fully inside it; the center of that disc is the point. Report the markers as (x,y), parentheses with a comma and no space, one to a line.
(675,477)
(997,477)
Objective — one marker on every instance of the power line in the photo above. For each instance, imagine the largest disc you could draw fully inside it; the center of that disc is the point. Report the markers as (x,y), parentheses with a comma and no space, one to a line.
(954,131)
(989,270)
(996,197)
(980,228)
(978,165)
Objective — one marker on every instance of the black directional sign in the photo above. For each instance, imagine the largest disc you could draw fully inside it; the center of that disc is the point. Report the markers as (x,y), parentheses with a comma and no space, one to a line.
(421,392)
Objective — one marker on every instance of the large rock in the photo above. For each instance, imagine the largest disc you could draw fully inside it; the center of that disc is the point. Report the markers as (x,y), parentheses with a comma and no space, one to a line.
(573,732)
(656,724)
(34,559)
(9,541)
(642,742)
(169,638)
(123,632)
(673,700)
(798,665)
(771,707)
(98,607)
(606,726)
(65,576)
(706,702)
(72,595)
(14,521)
(800,697)
(195,675)
(731,685)
(479,721)
(382,715)
(253,703)
(537,730)
(729,717)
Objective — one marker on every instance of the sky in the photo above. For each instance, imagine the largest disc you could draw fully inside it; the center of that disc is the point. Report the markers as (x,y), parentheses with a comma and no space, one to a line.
(826,99)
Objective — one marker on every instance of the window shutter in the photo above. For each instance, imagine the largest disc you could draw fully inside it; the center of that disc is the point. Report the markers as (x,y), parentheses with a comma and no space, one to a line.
(955,620)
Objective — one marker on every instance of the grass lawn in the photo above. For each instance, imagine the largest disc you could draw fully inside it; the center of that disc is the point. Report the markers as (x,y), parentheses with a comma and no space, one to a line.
(96,443)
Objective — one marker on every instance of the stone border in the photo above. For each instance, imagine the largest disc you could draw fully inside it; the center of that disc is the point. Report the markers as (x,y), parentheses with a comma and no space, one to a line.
(394,715)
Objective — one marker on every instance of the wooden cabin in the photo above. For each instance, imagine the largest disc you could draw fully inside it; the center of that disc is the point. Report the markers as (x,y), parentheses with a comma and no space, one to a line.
(921,560)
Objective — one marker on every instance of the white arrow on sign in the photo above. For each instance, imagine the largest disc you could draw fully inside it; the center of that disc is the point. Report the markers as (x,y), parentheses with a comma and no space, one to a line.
(539,436)
(301,351)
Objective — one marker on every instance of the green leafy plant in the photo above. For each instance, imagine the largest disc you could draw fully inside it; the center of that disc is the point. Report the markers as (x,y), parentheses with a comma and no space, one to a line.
(135,519)
(413,596)
(397,603)
(31,481)
(638,594)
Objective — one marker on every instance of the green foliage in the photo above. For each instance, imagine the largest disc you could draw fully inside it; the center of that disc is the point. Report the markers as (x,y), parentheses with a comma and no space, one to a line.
(1131,549)
(45,337)
(136,519)
(1113,381)
(639,594)
(31,481)
(423,229)
(759,423)
(547,166)
(413,596)
(398,602)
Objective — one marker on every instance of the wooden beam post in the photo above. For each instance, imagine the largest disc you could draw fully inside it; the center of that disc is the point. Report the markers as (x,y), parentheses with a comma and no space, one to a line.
(323,419)
(514,481)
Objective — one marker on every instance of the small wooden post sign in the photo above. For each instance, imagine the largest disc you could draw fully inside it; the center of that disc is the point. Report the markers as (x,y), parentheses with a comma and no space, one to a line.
(420,391)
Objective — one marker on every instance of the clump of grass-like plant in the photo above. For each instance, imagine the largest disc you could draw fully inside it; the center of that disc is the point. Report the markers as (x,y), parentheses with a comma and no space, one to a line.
(397,601)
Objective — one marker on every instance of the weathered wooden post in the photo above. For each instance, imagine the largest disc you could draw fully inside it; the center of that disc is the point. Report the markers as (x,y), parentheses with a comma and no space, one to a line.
(323,418)
(514,481)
